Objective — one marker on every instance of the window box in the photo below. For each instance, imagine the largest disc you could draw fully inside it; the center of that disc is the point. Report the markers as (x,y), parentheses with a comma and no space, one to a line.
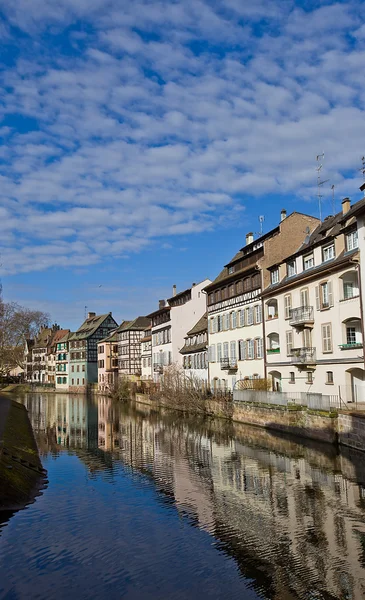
(351,346)
(273,350)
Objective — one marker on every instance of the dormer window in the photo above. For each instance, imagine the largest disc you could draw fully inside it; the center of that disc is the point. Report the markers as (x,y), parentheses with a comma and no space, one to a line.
(275,276)
(230,270)
(352,241)
(291,268)
(328,252)
(308,262)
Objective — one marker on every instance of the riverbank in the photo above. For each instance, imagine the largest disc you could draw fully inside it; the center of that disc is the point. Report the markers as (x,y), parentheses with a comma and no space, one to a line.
(337,427)
(22,476)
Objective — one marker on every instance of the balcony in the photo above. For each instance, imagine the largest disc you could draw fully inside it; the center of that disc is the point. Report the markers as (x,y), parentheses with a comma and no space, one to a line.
(157,367)
(301,316)
(304,356)
(229,364)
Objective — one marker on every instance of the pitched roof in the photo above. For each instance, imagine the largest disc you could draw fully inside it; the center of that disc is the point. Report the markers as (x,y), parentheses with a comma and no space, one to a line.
(200,326)
(89,326)
(139,324)
(42,338)
(112,337)
(354,210)
(59,334)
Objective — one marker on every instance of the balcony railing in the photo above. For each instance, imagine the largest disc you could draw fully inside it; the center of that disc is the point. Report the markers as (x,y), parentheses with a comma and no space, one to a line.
(301,315)
(305,356)
(157,367)
(229,364)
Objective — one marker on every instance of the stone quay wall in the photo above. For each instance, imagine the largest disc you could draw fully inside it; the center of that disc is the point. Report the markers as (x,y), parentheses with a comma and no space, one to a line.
(351,430)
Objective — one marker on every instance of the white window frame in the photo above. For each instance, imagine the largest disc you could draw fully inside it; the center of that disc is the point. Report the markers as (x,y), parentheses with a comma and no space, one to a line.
(275,276)
(291,268)
(287,306)
(308,262)
(328,252)
(289,342)
(326,334)
(258,314)
(250,346)
(352,240)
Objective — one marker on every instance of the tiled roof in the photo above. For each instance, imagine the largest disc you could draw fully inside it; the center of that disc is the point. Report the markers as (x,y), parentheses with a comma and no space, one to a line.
(112,337)
(354,210)
(43,337)
(194,348)
(89,327)
(138,324)
(200,326)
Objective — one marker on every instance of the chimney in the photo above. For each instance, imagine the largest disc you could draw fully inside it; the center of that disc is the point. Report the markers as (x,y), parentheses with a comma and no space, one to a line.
(193,284)
(283,214)
(346,205)
(90,315)
(161,304)
(174,290)
(249,238)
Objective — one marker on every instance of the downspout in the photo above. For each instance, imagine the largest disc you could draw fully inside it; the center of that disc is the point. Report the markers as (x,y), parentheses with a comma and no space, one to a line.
(361,307)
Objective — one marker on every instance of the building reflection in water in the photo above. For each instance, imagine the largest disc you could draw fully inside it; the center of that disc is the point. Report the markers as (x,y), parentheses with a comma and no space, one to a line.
(291,514)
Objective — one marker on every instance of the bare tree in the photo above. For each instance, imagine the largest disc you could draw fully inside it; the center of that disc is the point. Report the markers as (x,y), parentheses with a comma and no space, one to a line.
(16,325)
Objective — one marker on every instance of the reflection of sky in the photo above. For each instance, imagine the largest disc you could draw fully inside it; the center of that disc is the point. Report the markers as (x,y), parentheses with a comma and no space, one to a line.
(109,537)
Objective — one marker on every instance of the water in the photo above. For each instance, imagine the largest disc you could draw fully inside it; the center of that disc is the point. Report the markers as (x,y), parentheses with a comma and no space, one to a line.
(142,505)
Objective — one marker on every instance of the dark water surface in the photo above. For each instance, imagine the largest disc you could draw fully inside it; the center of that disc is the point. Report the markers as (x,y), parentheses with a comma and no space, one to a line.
(143,505)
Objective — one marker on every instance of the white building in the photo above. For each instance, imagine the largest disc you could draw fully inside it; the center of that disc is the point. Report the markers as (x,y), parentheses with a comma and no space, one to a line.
(313,314)
(195,351)
(161,339)
(108,362)
(235,329)
(62,362)
(146,355)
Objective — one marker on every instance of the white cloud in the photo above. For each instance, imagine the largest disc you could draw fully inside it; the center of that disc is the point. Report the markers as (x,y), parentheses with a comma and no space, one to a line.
(165,114)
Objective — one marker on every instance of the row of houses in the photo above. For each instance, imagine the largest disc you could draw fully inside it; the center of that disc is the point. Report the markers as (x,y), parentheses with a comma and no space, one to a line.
(288,308)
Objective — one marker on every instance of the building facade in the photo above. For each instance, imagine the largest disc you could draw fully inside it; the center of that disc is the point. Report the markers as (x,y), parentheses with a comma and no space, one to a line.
(108,363)
(62,362)
(146,355)
(234,305)
(83,347)
(314,343)
(161,339)
(130,334)
(195,351)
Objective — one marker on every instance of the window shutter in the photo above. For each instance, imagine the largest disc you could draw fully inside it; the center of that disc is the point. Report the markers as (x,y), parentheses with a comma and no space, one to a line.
(289,342)
(225,350)
(318,304)
(330,293)
(233,351)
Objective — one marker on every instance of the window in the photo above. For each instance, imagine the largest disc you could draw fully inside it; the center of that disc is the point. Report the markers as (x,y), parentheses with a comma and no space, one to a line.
(231,290)
(211,353)
(241,318)
(309,376)
(249,315)
(83,382)
(304,297)
(291,377)
(234,320)
(287,306)
(327,337)
(78,367)
(329,377)
(83,368)
(328,252)
(101,349)
(308,262)
(289,342)
(275,276)
(352,241)
(233,352)
(258,313)
(241,350)
(247,284)
(219,352)
(239,287)
(73,381)
(230,270)
(291,268)
(350,335)
(225,350)
(250,349)
(72,368)
(324,296)
(259,348)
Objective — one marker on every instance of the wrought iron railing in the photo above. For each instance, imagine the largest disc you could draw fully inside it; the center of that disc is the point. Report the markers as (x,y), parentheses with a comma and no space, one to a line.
(303,355)
(301,315)
(228,364)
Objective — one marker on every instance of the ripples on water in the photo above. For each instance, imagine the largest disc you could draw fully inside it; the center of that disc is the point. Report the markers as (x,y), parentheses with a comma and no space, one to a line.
(144,505)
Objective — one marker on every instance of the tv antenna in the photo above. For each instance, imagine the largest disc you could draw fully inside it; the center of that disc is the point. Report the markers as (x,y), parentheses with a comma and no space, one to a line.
(333,199)
(320,182)
(85,312)
(261,221)
(363,168)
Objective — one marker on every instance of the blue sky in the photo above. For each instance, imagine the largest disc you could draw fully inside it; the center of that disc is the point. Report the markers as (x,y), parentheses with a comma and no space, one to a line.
(140,141)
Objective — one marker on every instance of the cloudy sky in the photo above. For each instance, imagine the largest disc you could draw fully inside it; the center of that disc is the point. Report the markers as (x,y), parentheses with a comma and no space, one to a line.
(140,141)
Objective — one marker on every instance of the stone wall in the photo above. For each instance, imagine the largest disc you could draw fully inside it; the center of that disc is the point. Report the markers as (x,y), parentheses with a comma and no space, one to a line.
(351,430)
(297,422)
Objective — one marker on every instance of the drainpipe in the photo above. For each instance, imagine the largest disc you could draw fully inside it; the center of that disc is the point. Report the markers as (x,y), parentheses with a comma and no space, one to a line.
(357,263)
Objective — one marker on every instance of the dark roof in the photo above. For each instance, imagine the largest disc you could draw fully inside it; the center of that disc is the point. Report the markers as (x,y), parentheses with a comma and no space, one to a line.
(178,295)
(160,311)
(330,265)
(89,326)
(147,338)
(112,337)
(200,326)
(354,210)
(59,335)
(194,348)
(138,324)
(43,337)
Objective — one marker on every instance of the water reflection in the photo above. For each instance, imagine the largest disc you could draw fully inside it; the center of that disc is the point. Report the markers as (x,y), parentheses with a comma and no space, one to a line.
(291,514)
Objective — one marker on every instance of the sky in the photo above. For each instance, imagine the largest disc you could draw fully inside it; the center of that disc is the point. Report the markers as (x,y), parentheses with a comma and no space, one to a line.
(140,141)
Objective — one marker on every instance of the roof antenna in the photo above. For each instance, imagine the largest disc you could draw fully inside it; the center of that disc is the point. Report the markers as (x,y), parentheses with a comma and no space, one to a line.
(363,168)
(319,157)
(85,312)
(261,221)
(333,199)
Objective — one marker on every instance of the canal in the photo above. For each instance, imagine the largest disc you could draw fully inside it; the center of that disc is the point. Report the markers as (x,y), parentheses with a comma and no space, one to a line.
(146,505)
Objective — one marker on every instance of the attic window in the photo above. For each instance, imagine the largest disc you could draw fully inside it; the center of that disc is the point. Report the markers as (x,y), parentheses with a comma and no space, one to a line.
(230,270)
